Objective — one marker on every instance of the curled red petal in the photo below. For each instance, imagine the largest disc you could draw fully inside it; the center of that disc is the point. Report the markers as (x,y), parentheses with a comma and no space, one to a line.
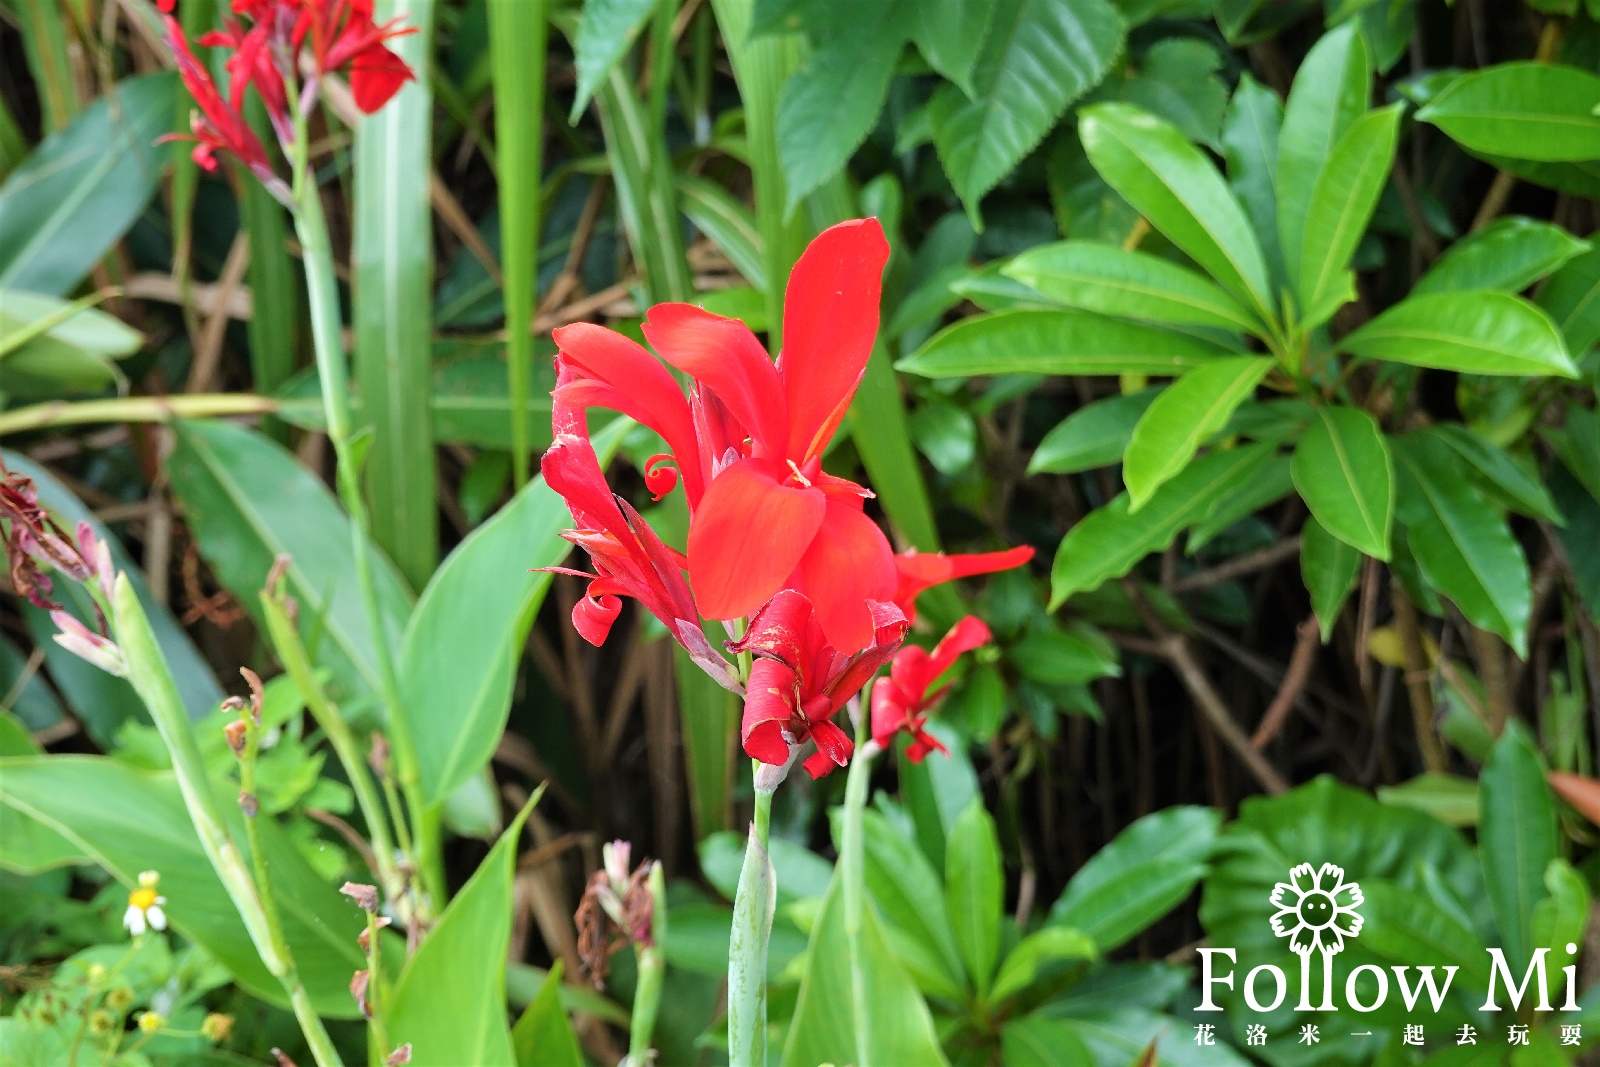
(746,537)
(964,636)
(376,75)
(594,613)
(769,705)
(659,479)
(920,571)
(833,749)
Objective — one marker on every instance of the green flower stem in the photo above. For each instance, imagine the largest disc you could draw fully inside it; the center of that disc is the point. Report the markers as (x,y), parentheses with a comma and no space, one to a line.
(292,654)
(753,906)
(323,294)
(652,969)
(851,869)
(152,680)
(133,409)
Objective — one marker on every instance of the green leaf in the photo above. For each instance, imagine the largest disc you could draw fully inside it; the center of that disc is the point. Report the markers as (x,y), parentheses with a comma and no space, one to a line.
(1140,875)
(1342,201)
(1032,1041)
(1093,436)
(1172,184)
(1560,918)
(1055,342)
(1182,418)
(1054,657)
(1037,57)
(1343,471)
(946,434)
(950,35)
(248,502)
(543,1036)
(82,188)
(1474,332)
(1499,474)
(1509,254)
(708,721)
(976,883)
(1250,149)
(129,821)
(1571,296)
(1516,838)
(465,639)
(823,1031)
(749,935)
(878,426)
(1110,540)
(1577,443)
(1450,799)
(31,320)
(1105,278)
(605,33)
(449,1004)
(1462,545)
(1329,568)
(910,897)
(1034,953)
(1177,79)
(728,223)
(1270,484)
(1329,93)
(1537,111)
(28,846)
(936,792)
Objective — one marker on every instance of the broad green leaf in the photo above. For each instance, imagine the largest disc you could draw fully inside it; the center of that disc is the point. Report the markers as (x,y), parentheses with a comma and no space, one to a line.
(248,501)
(464,640)
(1109,541)
(801,872)
(1104,277)
(1498,473)
(1345,475)
(129,821)
(1329,93)
(1182,418)
(28,846)
(1509,254)
(605,33)
(1404,924)
(1537,111)
(728,223)
(1143,873)
(1177,79)
(1121,1036)
(1329,568)
(910,897)
(976,883)
(1462,545)
(33,320)
(1034,953)
(1475,332)
(1342,201)
(823,1030)
(1033,1041)
(1577,443)
(949,35)
(1516,838)
(879,428)
(936,792)
(1571,296)
(1055,342)
(449,1004)
(1250,132)
(945,433)
(1561,917)
(543,1036)
(1037,57)
(1447,797)
(1056,657)
(1269,485)
(1093,436)
(81,189)
(1171,183)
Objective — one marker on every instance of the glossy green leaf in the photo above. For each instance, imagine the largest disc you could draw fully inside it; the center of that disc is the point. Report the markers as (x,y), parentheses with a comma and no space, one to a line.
(1536,111)
(1250,131)
(1509,254)
(464,640)
(1055,342)
(1571,296)
(1056,657)
(1342,202)
(1037,57)
(1562,916)
(1447,797)
(129,821)
(1330,92)
(1177,78)
(1270,484)
(1033,1041)
(248,501)
(81,189)
(1345,475)
(1499,474)
(543,1036)
(1104,277)
(449,1004)
(936,792)
(949,35)
(1516,838)
(1093,436)
(910,897)
(28,846)
(1577,443)
(1182,417)
(1035,953)
(33,320)
(1463,546)
(1329,568)
(1110,540)
(1473,332)
(1172,184)
(975,880)
(606,31)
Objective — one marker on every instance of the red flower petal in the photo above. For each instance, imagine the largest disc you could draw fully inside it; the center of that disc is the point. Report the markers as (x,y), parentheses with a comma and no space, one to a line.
(833,749)
(830,318)
(919,571)
(376,74)
(768,705)
(848,563)
(595,611)
(724,356)
(964,636)
(747,535)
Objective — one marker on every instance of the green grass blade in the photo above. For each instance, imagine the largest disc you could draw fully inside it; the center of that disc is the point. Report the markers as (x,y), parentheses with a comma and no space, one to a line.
(517,43)
(44,38)
(392,268)
(729,224)
(274,285)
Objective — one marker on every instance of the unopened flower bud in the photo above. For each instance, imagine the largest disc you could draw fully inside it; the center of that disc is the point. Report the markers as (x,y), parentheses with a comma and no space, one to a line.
(217,1027)
(101,1021)
(151,1021)
(249,804)
(84,643)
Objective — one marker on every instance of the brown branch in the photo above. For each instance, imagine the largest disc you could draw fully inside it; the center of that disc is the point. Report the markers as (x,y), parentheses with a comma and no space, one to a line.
(1294,680)
(1239,566)
(1417,674)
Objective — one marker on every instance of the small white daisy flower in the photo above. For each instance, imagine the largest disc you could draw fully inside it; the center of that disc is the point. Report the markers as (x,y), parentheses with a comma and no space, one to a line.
(144,906)
(1317,909)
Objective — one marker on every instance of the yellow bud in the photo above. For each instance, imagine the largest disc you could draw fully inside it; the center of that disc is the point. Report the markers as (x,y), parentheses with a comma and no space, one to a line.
(217,1027)
(151,1021)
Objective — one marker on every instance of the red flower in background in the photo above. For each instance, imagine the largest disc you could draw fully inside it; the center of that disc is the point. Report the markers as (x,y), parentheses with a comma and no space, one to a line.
(798,680)
(916,572)
(219,123)
(748,442)
(902,700)
(341,33)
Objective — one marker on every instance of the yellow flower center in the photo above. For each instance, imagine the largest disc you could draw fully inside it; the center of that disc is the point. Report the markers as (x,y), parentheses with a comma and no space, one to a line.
(143,899)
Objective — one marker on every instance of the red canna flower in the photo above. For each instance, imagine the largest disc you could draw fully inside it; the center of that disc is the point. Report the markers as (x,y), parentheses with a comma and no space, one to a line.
(902,700)
(749,440)
(917,572)
(219,123)
(798,680)
(341,33)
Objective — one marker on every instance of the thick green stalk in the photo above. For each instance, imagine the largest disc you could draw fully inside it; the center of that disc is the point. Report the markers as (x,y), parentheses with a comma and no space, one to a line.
(851,869)
(753,907)
(133,409)
(652,965)
(274,289)
(152,680)
(517,46)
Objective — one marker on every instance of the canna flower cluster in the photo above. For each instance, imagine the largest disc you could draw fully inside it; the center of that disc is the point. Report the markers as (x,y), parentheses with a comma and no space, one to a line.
(271,45)
(779,551)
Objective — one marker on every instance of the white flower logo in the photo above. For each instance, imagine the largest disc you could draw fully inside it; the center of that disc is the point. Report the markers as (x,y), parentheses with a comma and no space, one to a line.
(1316,910)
